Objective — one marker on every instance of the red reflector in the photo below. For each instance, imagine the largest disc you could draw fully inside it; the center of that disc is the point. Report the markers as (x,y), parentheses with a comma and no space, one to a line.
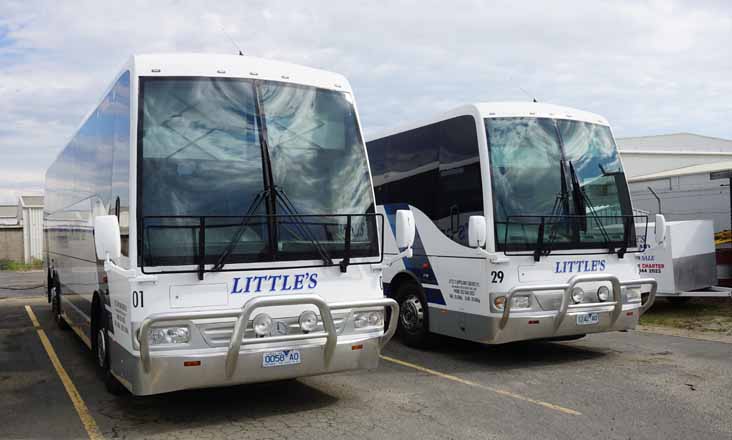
(357,347)
(629,314)
(191,363)
(534,321)
(425,266)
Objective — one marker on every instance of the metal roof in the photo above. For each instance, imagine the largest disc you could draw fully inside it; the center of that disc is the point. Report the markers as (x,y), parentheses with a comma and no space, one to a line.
(8,211)
(684,171)
(674,143)
(31,201)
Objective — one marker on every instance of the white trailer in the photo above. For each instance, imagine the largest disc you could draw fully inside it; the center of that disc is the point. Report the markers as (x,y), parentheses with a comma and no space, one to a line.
(524,225)
(213,222)
(685,264)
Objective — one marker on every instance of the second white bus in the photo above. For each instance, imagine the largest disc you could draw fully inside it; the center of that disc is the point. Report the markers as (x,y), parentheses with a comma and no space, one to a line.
(525,228)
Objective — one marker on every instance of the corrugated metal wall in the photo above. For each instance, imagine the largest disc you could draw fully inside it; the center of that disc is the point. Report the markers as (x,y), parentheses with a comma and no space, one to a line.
(691,197)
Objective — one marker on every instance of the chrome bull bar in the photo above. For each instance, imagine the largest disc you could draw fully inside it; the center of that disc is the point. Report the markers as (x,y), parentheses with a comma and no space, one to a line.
(565,305)
(243,315)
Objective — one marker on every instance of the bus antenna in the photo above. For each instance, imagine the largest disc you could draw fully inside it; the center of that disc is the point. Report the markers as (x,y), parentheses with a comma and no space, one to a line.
(236,46)
(527,93)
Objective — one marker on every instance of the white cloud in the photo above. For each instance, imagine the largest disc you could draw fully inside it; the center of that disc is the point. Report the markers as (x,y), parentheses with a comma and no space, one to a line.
(650,68)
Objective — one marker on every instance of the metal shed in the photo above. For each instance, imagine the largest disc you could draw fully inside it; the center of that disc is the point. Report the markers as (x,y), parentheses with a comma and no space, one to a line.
(30,212)
(679,168)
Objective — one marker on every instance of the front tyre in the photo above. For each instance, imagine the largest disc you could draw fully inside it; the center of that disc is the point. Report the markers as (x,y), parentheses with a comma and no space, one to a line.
(101,348)
(58,317)
(413,324)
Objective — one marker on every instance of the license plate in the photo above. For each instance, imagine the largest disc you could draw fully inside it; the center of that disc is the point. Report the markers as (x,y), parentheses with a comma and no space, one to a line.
(588,318)
(280,358)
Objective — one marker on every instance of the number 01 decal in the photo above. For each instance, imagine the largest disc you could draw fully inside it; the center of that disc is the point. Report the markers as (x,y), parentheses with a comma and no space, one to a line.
(496,276)
(138,299)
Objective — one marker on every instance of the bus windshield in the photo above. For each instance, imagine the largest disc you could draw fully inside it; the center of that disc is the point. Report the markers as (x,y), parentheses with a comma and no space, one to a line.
(557,184)
(238,170)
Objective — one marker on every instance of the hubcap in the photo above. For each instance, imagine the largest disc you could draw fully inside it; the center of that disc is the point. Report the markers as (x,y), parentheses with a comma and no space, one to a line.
(54,300)
(101,348)
(412,314)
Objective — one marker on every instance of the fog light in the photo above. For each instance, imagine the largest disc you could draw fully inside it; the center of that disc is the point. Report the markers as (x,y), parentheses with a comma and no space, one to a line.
(308,320)
(578,295)
(169,335)
(262,324)
(603,293)
(520,302)
(499,301)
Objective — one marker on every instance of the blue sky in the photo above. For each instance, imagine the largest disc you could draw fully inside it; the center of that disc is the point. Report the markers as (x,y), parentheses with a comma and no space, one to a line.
(649,67)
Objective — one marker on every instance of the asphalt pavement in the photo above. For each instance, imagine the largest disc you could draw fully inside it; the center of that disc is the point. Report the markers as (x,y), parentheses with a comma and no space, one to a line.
(619,385)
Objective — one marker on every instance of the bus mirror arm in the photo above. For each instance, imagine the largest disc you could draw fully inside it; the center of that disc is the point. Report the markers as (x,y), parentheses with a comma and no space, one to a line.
(111,267)
(494,257)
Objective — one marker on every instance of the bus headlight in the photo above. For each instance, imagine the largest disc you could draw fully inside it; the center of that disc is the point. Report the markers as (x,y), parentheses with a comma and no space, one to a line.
(603,293)
(520,302)
(578,295)
(169,335)
(632,294)
(368,319)
(262,324)
(308,321)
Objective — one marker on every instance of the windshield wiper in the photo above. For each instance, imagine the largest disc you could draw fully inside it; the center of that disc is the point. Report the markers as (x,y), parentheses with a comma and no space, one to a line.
(246,220)
(304,230)
(582,202)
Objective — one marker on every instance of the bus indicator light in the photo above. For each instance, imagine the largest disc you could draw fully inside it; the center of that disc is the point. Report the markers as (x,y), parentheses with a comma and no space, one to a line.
(191,363)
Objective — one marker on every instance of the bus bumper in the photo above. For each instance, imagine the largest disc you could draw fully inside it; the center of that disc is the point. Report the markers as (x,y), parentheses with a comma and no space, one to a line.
(168,370)
(568,320)
(323,351)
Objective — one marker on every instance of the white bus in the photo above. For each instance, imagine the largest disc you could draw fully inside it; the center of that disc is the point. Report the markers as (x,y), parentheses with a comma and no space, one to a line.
(213,222)
(524,225)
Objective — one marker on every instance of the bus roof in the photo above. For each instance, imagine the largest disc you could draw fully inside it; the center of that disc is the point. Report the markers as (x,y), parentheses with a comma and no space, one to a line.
(234,66)
(501,110)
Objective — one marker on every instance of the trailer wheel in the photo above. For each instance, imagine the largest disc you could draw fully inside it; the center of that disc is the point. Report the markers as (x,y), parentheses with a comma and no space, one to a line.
(55,293)
(413,324)
(101,349)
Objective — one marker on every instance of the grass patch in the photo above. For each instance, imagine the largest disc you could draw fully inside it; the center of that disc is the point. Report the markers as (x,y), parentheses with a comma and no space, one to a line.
(16,266)
(699,314)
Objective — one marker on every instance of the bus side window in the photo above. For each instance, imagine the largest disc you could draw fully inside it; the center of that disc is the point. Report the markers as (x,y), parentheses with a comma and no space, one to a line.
(459,192)
(121,158)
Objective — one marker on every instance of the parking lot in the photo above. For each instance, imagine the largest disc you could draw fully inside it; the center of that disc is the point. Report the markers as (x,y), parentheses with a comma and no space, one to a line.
(621,385)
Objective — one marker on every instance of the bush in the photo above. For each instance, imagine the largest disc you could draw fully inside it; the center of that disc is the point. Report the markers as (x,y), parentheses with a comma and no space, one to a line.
(17,266)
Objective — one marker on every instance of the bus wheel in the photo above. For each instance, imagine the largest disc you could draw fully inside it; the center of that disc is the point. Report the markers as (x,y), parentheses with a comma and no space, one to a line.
(101,344)
(413,326)
(56,306)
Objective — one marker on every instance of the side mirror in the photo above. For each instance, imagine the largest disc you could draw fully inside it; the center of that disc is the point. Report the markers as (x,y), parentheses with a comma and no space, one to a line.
(660,230)
(476,231)
(405,229)
(107,239)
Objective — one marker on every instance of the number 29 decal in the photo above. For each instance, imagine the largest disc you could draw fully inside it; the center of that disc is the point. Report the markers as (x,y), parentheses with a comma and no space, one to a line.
(496,276)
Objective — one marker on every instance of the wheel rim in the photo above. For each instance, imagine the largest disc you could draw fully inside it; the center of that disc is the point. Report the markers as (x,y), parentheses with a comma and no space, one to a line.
(54,300)
(412,314)
(101,348)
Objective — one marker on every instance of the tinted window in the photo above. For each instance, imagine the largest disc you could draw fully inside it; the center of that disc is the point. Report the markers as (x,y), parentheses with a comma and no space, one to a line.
(119,110)
(460,189)
(435,168)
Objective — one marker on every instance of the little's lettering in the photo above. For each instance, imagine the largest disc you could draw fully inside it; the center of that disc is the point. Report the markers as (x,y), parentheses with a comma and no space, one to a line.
(579,266)
(274,283)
